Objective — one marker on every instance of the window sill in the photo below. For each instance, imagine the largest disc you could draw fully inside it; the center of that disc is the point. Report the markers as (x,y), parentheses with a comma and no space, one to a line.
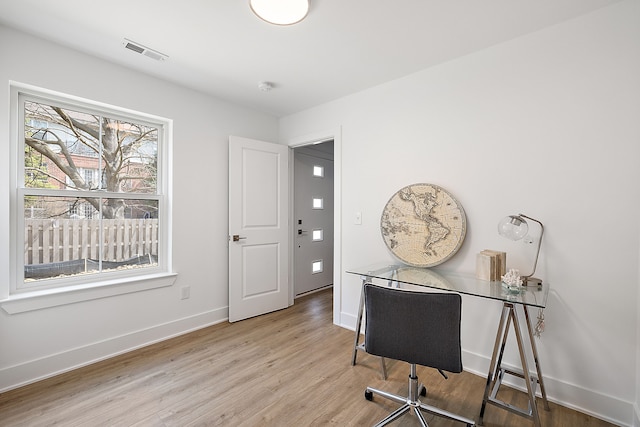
(30,301)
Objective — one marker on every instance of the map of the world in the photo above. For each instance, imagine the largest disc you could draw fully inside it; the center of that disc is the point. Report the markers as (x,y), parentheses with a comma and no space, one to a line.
(423,225)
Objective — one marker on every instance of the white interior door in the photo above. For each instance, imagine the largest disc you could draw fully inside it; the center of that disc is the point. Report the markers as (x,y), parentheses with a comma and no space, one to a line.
(258,227)
(313,218)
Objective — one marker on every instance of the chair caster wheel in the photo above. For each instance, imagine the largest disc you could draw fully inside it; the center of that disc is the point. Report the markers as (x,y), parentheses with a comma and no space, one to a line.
(368,395)
(423,391)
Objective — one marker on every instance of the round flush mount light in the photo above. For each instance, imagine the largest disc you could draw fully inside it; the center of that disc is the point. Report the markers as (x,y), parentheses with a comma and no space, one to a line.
(280,12)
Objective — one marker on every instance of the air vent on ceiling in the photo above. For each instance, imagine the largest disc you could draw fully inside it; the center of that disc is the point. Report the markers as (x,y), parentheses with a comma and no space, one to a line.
(138,48)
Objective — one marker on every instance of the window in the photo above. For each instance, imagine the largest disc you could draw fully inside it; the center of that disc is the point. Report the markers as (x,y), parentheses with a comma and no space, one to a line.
(91,188)
(317,235)
(316,267)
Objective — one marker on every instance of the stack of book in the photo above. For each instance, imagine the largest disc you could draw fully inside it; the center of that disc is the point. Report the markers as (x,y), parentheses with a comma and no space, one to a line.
(491,265)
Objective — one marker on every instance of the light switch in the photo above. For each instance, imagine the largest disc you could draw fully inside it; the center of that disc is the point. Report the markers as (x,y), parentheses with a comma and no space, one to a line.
(358,218)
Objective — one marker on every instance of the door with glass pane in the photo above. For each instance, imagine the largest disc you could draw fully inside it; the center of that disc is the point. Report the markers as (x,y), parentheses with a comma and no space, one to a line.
(313,217)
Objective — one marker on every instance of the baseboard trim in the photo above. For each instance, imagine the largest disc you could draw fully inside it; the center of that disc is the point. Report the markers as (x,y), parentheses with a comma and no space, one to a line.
(348,321)
(16,376)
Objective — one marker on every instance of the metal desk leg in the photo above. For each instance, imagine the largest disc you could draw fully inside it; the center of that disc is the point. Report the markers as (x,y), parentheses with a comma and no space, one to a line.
(525,370)
(356,343)
(497,371)
(501,335)
(536,359)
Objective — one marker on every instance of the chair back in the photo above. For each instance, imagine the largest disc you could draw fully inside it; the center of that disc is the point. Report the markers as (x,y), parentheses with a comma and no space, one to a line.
(416,327)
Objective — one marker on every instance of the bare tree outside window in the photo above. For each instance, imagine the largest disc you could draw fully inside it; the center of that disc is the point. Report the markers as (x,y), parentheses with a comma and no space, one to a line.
(124,154)
(90,191)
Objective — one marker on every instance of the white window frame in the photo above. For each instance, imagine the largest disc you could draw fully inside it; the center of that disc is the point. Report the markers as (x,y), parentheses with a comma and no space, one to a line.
(58,291)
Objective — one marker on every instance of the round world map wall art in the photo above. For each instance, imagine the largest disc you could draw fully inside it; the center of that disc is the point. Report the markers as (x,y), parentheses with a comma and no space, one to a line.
(423,225)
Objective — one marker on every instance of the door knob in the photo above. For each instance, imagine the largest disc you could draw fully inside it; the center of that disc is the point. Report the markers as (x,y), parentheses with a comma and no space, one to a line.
(236,238)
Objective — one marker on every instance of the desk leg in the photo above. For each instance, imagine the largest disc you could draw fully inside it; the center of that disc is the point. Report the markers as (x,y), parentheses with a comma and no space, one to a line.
(525,370)
(536,359)
(356,343)
(497,371)
(501,336)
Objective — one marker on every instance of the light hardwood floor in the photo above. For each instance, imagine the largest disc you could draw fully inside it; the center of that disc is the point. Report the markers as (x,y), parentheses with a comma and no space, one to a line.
(288,368)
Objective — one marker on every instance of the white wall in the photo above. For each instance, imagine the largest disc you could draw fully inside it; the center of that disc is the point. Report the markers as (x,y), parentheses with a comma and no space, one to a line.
(546,125)
(40,343)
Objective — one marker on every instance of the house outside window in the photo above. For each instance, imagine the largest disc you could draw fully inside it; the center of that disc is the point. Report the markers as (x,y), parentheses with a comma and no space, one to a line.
(91,189)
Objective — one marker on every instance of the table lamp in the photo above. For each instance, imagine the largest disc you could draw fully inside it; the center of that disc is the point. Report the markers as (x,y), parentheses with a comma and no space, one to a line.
(515,227)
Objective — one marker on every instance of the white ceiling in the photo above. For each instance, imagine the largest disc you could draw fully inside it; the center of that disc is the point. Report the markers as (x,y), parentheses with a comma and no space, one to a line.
(343,46)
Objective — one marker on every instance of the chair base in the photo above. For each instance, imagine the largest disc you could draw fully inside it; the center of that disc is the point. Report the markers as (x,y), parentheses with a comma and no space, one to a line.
(413,403)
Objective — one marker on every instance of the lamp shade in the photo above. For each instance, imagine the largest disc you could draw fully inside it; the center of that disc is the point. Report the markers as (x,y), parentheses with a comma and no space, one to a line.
(513,227)
(280,12)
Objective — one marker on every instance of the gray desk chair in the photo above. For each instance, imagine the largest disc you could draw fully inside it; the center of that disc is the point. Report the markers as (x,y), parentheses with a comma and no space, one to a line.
(420,328)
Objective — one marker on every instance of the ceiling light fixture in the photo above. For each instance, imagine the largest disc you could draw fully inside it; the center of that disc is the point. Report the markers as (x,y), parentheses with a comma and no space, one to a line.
(280,12)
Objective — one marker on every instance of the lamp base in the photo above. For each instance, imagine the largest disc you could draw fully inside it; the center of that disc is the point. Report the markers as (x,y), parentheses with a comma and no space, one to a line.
(531,281)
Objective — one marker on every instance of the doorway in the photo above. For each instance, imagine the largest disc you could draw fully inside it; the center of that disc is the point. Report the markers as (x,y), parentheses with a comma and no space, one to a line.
(313,234)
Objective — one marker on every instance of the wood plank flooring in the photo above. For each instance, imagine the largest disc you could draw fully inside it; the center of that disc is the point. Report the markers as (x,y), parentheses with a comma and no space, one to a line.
(288,368)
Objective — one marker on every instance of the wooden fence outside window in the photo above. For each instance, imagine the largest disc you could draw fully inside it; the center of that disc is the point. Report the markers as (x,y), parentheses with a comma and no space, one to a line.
(57,240)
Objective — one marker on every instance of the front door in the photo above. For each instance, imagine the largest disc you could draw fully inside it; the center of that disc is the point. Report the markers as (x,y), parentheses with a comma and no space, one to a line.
(313,217)
(258,227)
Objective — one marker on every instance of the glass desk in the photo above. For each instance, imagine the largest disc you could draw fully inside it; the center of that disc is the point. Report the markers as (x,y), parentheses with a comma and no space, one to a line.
(402,276)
